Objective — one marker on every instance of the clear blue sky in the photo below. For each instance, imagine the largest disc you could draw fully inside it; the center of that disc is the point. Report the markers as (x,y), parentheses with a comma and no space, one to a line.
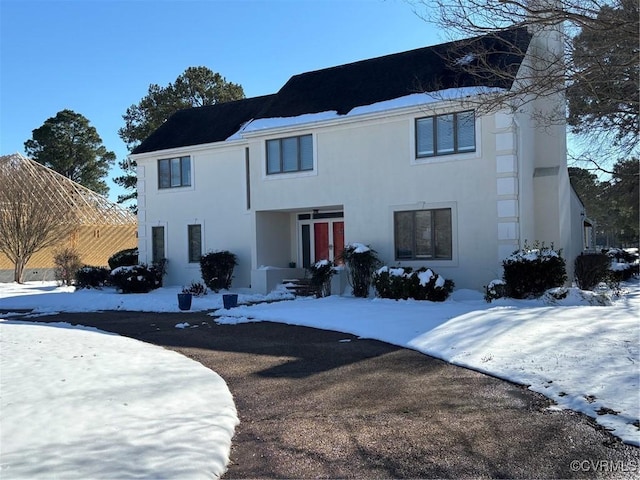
(98,57)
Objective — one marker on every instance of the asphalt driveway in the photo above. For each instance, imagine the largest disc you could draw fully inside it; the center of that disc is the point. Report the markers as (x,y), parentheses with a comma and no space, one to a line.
(321,404)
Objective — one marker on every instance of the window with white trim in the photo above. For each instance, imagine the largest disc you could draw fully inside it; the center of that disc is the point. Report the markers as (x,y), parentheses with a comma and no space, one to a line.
(291,154)
(423,234)
(445,134)
(174,172)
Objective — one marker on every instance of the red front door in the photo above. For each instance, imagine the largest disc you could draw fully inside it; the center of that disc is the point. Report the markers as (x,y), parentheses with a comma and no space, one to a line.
(321,241)
(338,242)
(328,239)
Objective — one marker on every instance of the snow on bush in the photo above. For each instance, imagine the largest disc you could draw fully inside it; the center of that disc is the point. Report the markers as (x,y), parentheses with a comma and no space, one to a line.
(531,271)
(403,283)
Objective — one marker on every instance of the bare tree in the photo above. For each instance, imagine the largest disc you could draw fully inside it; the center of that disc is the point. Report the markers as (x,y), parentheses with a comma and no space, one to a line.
(28,224)
(594,64)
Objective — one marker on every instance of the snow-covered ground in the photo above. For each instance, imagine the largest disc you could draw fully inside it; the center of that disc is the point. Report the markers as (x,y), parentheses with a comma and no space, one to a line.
(582,356)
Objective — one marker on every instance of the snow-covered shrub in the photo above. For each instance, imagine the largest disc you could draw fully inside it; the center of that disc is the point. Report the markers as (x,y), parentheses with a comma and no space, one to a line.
(496,289)
(389,282)
(217,269)
(67,262)
(197,289)
(321,273)
(531,271)
(92,277)
(575,297)
(623,265)
(403,283)
(362,261)
(136,278)
(123,258)
(591,269)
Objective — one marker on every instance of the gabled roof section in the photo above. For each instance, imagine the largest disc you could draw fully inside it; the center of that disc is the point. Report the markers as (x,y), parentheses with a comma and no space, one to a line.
(62,194)
(454,65)
(200,125)
(428,69)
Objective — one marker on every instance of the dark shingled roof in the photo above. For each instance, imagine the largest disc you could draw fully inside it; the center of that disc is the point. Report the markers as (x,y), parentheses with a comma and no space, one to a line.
(199,125)
(428,69)
(345,87)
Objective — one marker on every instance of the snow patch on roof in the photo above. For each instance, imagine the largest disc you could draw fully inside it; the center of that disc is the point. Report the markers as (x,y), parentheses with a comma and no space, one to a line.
(412,100)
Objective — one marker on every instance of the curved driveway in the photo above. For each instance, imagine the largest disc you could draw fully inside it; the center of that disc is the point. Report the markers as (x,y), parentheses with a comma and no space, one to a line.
(321,404)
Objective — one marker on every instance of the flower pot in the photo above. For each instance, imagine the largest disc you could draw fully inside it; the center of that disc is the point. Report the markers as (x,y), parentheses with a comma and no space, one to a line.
(184,301)
(230,300)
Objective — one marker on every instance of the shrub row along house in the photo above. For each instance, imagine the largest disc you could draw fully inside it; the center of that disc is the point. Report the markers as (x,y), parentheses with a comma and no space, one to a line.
(390,152)
(89,224)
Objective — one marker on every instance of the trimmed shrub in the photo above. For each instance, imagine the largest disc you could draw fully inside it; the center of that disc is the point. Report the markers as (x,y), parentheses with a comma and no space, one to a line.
(92,277)
(123,258)
(389,282)
(403,283)
(531,271)
(217,269)
(67,262)
(496,289)
(321,273)
(362,262)
(136,278)
(591,269)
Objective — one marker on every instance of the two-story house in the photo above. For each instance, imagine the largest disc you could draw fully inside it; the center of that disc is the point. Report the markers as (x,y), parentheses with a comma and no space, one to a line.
(389,152)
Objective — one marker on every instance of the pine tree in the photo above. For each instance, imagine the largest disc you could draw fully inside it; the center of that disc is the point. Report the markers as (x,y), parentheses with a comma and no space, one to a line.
(69,145)
(196,87)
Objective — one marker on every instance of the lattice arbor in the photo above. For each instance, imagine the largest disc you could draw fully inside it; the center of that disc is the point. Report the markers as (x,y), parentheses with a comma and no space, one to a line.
(41,211)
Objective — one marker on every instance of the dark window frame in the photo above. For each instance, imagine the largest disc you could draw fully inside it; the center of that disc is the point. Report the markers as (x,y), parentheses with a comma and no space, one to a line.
(158,233)
(434,123)
(184,180)
(435,242)
(193,253)
(281,159)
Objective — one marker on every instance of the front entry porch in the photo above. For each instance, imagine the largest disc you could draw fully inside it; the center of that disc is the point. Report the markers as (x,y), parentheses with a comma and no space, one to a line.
(288,242)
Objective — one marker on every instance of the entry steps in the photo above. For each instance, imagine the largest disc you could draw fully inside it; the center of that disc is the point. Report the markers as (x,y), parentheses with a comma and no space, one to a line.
(300,287)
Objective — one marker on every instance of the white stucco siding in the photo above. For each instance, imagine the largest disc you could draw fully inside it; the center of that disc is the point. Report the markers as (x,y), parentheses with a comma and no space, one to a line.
(369,169)
(216,200)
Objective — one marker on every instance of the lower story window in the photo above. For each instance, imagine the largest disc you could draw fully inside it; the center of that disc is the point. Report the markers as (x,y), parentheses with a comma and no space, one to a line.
(157,244)
(195,243)
(423,234)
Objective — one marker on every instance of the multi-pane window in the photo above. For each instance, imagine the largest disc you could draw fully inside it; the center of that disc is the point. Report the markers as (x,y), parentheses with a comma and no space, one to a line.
(195,242)
(423,234)
(445,134)
(157,244)
(291,154)
(174,172)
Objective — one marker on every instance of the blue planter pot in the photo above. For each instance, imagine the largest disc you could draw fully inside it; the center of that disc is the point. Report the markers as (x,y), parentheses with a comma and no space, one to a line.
(230,300)
(184,301)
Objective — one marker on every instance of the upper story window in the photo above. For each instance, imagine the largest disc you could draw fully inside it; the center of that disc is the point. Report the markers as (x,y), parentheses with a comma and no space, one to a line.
(174,172)
(445,134)
(423,234)
(291,154)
